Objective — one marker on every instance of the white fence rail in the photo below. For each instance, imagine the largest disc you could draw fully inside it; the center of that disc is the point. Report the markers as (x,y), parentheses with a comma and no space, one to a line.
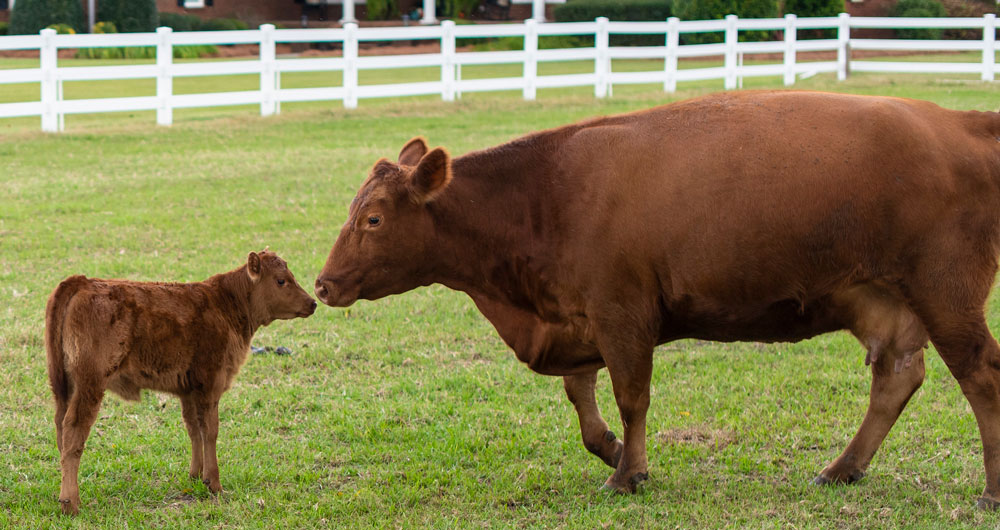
(52,107)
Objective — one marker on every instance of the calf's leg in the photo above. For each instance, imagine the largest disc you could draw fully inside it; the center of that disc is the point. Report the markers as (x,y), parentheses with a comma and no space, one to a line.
(208,416)
(79,418)
(189,410)
(597,437)
(890,392)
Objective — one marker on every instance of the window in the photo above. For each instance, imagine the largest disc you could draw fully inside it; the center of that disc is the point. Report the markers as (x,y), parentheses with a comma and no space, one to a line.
(4,4)
(194,4)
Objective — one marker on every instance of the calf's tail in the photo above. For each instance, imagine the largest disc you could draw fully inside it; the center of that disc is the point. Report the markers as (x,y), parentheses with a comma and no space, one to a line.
(55,317)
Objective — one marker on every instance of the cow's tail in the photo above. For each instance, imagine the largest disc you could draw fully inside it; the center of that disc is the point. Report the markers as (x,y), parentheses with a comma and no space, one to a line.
(55,320)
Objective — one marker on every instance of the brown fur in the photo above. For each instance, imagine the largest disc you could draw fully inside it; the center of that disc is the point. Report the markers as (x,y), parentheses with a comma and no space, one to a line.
(187,339)
(765,216)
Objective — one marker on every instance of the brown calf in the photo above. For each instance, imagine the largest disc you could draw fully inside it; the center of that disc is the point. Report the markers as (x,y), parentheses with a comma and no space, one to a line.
(188,339)
(751,216)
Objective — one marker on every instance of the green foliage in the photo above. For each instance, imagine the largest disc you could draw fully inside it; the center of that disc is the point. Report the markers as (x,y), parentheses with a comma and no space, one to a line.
(588,10)
(919,8)
(193,51)
(382,9)
(63,29)
(31,16)
(716,9)
(129,16)
(105,27)
(223,24)
(627,10)
(180,22)
(814,8)
(460,8)
(4,28)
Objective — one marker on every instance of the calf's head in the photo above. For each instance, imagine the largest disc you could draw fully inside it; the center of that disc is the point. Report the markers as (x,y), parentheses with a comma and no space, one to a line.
(383,247)
(274,293)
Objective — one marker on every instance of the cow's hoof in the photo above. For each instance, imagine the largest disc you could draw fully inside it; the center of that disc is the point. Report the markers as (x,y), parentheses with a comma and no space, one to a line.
(630,487)
(988,504)
(69,507)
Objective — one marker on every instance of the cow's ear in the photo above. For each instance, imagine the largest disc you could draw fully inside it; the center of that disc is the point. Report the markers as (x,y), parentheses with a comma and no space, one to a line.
(432,175)
(413,151)
(253,266)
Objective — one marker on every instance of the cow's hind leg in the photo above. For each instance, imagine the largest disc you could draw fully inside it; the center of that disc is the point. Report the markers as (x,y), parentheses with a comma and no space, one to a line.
(890,391)
(597,437)
(81,412)
(189,410)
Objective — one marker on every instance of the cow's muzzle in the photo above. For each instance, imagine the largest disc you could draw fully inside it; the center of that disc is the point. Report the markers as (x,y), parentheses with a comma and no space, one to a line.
(328,292)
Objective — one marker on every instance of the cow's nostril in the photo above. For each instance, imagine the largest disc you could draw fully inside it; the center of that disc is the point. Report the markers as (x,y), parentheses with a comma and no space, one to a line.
(314,305)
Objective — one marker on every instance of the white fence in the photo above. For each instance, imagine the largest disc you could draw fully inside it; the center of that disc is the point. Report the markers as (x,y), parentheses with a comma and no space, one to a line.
(52,107)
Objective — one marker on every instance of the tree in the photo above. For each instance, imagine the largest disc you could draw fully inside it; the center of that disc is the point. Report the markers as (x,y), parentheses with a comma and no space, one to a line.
(31,16)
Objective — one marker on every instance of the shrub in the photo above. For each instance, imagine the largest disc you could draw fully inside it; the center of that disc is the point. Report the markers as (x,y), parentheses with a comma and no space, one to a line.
(180,22)
(130,16)
(62,29)
(460,8)
(4,28)
(381,9)
(31,16)
(105,27)
(919,8)
(627,10)
(222,24)
(716,9)
(815,8)
(146,52)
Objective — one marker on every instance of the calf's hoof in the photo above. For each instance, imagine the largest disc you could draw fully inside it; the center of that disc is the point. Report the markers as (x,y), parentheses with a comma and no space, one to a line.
(630,486)
(850,478)
(988,504)
(69,507)
(213,485)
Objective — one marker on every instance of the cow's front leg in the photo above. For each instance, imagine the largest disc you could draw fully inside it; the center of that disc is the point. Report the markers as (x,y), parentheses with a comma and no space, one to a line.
(630,372)
(597,437)
(208,416)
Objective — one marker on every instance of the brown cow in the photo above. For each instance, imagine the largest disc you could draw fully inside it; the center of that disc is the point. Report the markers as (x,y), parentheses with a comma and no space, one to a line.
(752,216)
(188,339)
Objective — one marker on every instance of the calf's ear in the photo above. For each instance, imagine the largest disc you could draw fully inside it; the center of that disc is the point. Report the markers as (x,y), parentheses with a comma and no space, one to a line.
(431,176)
(413,151)
(253,266)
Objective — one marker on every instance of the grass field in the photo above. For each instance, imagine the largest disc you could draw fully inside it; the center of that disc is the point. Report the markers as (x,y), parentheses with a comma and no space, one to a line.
(409,411)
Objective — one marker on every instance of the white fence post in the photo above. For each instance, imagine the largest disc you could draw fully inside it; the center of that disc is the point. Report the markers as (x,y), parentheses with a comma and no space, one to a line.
(843,46)
(601,63)
(350,65)
(530,58)
(670,63)
(790,38)
(347,11)
(732,37)
(448,60)
(164,76)
(429,16)
(48,62)
(267,68)
(538,10)
(989,46)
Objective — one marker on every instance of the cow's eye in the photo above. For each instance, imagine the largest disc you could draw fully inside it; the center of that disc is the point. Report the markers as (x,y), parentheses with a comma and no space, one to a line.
(374,220)
(281,281)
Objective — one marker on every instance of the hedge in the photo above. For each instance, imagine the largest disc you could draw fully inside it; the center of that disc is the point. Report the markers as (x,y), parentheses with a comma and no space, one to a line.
(129,16)
(626,10)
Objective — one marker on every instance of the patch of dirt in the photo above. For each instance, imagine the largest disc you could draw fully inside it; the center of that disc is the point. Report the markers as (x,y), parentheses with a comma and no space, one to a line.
(699,435)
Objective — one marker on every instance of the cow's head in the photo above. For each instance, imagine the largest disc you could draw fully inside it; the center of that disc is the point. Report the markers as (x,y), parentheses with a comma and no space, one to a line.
(274,293)
(382,248)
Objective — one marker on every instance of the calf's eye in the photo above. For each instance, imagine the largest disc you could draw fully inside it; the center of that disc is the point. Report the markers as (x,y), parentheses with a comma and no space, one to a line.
(281,282)
(374,220)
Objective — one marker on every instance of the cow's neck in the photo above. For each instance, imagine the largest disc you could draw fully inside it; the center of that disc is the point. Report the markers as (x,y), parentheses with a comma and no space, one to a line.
(496,225)
(234,289)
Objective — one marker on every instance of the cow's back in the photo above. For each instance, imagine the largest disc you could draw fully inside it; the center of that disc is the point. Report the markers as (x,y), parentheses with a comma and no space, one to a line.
(741,207)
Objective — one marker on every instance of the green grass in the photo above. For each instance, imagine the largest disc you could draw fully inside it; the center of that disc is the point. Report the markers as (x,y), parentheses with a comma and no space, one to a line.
(409,411)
